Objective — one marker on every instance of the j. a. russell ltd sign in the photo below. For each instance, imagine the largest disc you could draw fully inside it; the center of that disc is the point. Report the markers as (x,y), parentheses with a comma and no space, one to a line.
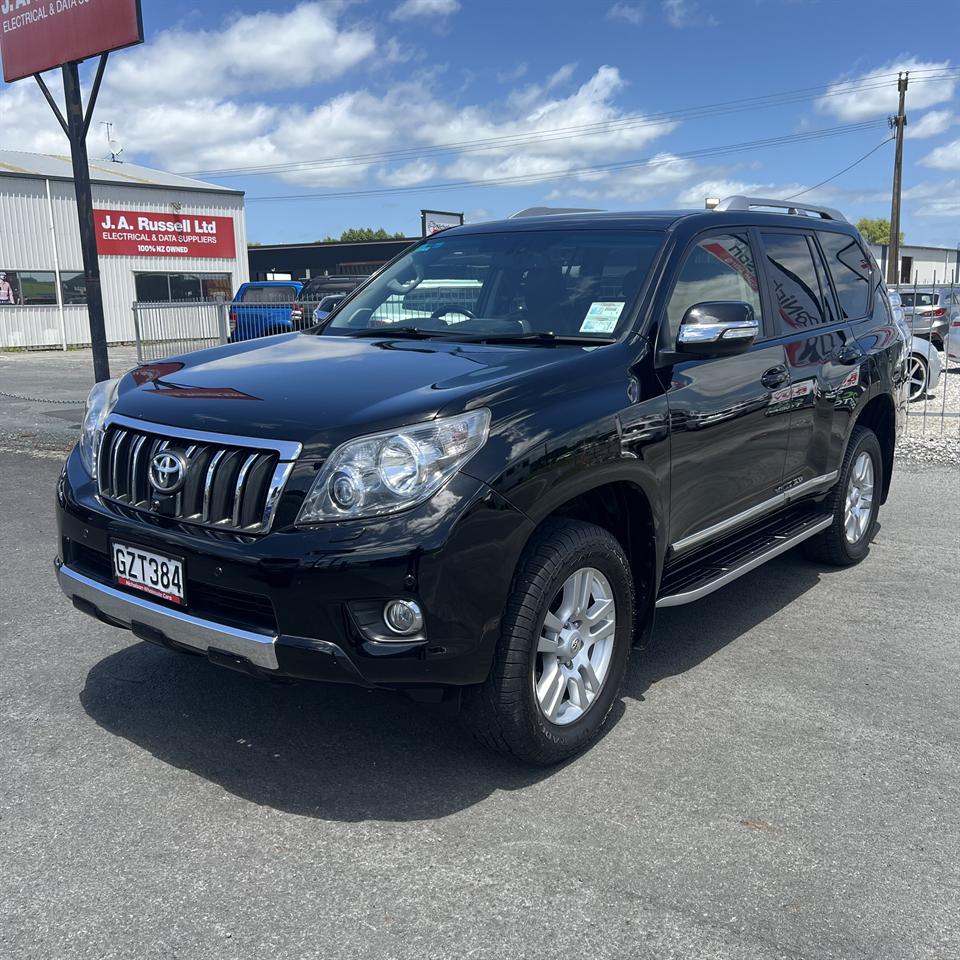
(130,233)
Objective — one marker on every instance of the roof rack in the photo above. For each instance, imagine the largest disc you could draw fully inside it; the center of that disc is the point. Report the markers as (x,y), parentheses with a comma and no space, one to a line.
(799,209)
(551,211)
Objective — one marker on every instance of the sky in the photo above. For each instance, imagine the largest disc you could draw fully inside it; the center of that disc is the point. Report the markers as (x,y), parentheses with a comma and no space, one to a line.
(346,113)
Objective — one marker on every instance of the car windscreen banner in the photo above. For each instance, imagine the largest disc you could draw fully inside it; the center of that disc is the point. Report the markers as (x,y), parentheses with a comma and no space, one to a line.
(37,35)
(135,233)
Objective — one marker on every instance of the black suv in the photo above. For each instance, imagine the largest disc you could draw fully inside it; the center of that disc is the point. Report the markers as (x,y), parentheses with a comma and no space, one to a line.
(480,478)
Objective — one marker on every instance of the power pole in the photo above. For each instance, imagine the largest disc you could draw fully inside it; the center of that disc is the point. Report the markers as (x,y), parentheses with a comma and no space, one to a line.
(897,123)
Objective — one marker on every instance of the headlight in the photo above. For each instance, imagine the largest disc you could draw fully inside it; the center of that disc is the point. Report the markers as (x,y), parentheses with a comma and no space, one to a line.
(394,470)
(100,402)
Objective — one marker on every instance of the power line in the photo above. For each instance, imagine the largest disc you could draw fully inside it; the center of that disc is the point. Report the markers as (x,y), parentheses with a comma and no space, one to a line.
(869,153)
(548,176)
(570,132)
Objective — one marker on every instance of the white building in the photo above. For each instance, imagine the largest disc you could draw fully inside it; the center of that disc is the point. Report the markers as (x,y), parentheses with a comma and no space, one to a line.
(160,237)
(922,265)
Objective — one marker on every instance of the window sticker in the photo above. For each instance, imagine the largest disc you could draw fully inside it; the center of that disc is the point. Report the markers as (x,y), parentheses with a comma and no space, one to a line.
(602,316)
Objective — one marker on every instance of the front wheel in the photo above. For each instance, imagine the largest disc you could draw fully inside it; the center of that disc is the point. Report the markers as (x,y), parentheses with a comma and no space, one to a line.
(918,377)
(563,650)
(853,503)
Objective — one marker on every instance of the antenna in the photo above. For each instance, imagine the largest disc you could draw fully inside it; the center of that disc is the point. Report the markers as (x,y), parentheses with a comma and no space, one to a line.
(114,146)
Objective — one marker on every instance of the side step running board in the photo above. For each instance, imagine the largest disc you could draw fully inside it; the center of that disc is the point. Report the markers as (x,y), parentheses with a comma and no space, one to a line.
(718,575)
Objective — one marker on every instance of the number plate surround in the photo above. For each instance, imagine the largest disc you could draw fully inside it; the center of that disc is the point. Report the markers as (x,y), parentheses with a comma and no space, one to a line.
(179,598)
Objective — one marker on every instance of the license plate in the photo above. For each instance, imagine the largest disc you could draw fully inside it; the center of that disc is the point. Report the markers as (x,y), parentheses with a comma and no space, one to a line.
(149,572)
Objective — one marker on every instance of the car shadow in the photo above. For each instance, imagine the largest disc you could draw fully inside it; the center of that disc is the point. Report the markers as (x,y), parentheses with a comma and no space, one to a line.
(346,754)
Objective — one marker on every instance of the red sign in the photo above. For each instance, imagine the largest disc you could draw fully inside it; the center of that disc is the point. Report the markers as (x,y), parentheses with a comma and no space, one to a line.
(134,233)
(36,35)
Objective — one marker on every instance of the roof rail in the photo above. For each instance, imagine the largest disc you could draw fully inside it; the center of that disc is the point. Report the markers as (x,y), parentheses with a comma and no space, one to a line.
(551,211)
(800,209)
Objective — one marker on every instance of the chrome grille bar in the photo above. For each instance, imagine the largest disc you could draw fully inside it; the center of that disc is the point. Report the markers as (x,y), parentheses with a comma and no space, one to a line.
(236,484)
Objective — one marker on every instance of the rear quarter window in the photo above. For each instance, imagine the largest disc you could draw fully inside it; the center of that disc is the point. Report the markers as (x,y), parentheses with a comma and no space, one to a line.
(851,270)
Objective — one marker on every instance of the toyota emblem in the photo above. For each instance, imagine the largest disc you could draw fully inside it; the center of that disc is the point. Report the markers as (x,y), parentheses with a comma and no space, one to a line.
(168,470)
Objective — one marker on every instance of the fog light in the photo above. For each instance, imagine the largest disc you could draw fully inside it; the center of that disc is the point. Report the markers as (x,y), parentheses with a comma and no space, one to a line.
(403,617)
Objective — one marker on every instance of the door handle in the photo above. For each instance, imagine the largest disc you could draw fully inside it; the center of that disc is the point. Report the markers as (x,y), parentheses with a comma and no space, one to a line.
(775,377)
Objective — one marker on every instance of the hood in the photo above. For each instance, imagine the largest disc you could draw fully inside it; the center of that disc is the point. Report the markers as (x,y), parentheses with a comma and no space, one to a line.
(321,390)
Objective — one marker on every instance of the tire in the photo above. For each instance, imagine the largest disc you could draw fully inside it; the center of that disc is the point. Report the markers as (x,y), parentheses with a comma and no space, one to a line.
(834,545)
(505,712)
(918,377)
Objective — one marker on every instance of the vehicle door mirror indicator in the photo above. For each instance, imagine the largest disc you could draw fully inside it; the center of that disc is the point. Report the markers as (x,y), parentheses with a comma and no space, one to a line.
(718,327)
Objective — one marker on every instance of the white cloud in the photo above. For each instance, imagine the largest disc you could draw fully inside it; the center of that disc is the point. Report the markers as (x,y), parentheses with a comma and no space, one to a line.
(931,124)
(874,94)
(946,157)
(686,13)
(941,200)
(514,73)
(260,51)
(410,9)
(408,174)
(634,13)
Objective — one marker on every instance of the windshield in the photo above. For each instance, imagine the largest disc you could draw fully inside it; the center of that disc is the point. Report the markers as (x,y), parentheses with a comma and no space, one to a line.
(549,283)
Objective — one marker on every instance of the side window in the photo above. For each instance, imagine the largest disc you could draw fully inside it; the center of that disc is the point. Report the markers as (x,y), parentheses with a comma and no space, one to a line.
(850,268)
(718,267)
(793,275)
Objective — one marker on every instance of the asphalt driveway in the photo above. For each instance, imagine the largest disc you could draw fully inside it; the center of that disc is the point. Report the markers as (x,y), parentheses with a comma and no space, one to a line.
(783,781)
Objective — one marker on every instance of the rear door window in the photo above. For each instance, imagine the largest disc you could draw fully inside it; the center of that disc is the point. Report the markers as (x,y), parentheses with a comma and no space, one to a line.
(851,271)
(800,301)
(269,294)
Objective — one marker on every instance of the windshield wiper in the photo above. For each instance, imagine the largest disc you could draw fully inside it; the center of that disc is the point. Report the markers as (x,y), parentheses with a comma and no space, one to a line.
(413,333)
(542,336)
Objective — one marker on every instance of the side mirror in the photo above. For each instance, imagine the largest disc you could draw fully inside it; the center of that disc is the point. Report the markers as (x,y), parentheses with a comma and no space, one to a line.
(718,328)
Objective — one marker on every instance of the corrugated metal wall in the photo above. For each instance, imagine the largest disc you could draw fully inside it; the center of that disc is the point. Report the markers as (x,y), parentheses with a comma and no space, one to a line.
(26,243)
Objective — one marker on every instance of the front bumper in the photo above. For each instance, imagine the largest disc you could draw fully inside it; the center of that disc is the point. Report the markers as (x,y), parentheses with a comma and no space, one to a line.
(288,604)
(231,646)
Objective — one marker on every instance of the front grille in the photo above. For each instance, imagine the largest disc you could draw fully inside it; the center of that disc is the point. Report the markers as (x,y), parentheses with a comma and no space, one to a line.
(226,485)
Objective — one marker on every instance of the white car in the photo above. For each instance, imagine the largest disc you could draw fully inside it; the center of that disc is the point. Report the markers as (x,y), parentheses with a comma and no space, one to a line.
(951,343)
(923,364)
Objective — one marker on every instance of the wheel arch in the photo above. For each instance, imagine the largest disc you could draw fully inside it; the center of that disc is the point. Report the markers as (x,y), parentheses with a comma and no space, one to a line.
(623,508)
(879,415)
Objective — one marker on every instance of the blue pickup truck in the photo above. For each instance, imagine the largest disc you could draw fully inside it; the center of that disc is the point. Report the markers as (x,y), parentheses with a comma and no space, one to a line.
(263,308)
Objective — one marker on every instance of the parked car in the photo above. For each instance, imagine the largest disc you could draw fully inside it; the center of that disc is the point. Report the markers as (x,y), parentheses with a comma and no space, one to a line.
(316,290)
(325,307)
(951,347)
(262,309)
(930,310)
(482,502)
(923,363)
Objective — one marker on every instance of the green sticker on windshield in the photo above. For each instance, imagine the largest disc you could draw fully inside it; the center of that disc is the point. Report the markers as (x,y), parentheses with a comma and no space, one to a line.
(602,316)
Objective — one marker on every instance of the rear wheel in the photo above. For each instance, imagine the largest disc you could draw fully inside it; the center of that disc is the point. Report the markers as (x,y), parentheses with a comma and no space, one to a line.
(563,650)
(853,503)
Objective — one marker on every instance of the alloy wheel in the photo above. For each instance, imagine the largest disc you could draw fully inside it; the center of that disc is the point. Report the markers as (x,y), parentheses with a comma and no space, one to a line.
(575,646)
(859,502)
(916,377)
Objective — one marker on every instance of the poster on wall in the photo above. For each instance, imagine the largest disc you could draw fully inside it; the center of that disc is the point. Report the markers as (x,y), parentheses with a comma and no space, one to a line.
(134,233)
(36,35)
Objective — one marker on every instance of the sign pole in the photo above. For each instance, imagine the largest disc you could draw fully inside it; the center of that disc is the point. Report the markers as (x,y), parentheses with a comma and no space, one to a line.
(77,126)
(62,35)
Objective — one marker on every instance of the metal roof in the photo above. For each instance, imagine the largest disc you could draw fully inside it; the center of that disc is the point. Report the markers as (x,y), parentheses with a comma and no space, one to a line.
(16,163)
